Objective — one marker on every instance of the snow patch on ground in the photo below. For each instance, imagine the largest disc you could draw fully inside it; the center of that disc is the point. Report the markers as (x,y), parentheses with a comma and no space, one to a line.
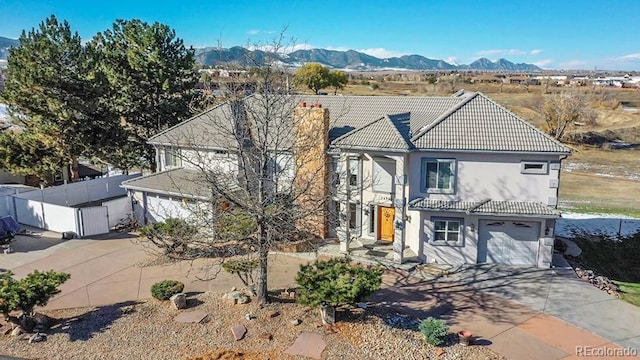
(608,224)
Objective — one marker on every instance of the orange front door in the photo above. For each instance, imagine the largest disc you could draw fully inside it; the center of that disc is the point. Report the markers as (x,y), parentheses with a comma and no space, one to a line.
(386,217)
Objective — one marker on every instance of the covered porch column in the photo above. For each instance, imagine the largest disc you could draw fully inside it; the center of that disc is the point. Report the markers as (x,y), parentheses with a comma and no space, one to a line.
(399,203)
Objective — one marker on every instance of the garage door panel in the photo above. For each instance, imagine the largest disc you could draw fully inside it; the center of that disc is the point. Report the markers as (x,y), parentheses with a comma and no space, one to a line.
(509,242)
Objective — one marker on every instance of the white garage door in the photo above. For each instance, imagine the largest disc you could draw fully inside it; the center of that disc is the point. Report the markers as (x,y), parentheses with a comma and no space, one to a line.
(509,242)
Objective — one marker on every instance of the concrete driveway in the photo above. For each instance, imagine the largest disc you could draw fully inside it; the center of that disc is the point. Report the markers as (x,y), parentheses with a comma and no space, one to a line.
(561,294)
(106,270)
(521,313)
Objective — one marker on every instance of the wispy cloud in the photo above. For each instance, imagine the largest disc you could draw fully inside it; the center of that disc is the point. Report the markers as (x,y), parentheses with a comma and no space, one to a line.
(495,52)
(258,31)
(543,63)
(573,64)
(377,52)
(628,58)
(380,52)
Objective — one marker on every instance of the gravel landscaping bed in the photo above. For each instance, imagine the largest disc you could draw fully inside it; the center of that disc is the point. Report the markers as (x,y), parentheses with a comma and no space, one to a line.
(146,330)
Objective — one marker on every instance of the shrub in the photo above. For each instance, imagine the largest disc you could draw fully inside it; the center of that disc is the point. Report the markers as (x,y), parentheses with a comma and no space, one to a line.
(434,331)
(336,282)
(164,290)
(25,294)
(244,268)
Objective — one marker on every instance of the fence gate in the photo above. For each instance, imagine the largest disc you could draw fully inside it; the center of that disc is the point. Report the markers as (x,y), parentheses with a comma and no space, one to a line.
(94,220)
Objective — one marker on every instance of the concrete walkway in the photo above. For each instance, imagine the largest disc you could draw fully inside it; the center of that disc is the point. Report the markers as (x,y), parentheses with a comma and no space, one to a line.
(521,313)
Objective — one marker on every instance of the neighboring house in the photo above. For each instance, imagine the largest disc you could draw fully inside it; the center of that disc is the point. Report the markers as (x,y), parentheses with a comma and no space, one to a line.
(455,179)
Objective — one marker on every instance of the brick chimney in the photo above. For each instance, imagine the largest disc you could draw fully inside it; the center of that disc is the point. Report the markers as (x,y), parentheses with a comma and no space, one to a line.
(312,161)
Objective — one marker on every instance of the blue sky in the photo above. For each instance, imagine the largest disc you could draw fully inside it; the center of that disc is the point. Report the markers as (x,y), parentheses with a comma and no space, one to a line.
(554,34)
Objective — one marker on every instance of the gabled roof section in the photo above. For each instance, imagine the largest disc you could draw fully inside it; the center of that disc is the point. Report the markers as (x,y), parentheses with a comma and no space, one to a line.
(480,124)
(214,128)
(178,182)
(389,132)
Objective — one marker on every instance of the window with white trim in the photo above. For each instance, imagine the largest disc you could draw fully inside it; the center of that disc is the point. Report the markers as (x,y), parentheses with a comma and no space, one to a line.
(448,231)
(354,172)
(172,157)
(383,172)
(534,167)
(438,176)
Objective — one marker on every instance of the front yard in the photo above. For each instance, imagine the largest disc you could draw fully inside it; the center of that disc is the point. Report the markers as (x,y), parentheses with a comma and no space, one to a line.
(147,330)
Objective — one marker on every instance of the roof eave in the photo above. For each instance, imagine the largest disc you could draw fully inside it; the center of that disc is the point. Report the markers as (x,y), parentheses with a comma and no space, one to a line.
(558,153)
(461,211)
(162,192)
(366,148)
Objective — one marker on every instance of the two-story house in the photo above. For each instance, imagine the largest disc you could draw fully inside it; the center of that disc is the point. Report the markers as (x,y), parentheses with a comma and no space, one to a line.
(456,179)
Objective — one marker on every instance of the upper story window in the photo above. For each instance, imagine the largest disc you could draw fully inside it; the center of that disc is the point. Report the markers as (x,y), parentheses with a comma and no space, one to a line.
(383,173)
(354,172)
(438,176)
(172,157)
(534,167)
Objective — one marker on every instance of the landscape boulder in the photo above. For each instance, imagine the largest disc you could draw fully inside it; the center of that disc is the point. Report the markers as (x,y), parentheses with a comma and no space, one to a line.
(237,297)
(179,301)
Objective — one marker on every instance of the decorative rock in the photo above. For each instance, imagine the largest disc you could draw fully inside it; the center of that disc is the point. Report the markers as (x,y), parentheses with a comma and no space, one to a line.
(37,337)
(237,297)
(17,331)
(292,294)
(191,317)
(42,320)
(238,332)
(248,316)
(440,352)
(273,314)
(362,305)
(179,301)
(5,330)
(328,314)
(295,322)
(23,337)
(266,336)
(308,344)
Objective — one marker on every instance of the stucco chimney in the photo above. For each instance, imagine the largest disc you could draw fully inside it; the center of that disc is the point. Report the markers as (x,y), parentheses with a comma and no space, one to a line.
(312,161)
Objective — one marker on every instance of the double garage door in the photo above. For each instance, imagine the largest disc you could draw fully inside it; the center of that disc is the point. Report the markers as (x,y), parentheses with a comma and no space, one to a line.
(508,242)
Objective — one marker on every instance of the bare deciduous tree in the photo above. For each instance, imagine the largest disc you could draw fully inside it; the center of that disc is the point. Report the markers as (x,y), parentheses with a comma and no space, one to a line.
(562,111)
(258,171)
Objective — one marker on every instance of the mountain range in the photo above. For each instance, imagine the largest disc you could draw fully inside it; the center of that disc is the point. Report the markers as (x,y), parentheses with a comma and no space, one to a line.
(352,60)
(347,60)
(5,44)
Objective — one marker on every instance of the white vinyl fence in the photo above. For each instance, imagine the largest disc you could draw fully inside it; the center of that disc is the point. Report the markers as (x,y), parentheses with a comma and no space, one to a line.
(76,207)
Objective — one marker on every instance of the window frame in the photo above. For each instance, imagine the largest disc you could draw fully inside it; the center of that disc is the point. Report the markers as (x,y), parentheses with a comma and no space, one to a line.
(461,229)
(172,153)
(376,163)
(543,171)
(425,175)
(358,172)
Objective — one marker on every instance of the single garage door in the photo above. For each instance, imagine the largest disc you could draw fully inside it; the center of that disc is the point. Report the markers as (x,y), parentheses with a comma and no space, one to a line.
(508,242)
